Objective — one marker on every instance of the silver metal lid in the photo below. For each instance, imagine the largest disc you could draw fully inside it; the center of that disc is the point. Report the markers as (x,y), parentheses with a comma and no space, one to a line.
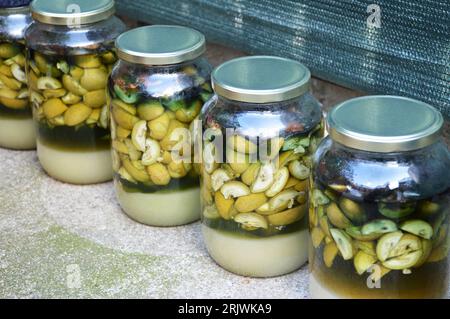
(160,45)
(383,123)
(261,79)
(71,12)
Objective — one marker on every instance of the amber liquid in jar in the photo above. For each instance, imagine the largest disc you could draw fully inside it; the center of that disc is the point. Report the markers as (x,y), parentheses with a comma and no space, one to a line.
(389,240)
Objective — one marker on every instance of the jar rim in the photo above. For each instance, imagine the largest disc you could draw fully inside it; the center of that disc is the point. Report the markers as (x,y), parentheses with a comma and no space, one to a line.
(15,10)
(261,79)
(71,12)
(160,45)
(384,123)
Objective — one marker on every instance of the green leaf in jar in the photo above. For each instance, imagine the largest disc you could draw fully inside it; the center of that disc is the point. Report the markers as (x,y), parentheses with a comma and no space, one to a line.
(63,66)
(174,105)
(297,143)
(127,97)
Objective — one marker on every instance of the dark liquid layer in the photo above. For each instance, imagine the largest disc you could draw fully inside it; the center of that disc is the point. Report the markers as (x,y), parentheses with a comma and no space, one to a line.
(8,113)
(176,184)
(428,281)
(235,228)
(82,138)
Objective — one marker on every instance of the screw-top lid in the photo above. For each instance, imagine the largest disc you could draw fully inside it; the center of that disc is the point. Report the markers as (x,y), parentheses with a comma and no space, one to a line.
(14,3)
(261,79)
(70,12)
(160,45)
(384,124)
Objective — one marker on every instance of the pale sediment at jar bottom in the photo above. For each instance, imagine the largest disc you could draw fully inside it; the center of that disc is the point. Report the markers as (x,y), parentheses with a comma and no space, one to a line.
(17,134)
(171,208)
(75,167)
(318,291)
(257,257)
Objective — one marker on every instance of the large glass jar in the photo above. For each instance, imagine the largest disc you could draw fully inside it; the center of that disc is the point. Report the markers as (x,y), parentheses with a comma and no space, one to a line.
(380,205)
(16,124)
(157,90)
(259,130)
(70,54)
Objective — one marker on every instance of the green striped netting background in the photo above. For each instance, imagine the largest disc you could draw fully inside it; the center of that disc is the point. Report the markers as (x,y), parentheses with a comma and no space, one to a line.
(408,55)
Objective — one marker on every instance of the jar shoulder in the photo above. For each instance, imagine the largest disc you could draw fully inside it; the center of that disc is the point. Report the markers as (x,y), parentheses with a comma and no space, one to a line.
(376,176)
(13,26)
(298,116)
(54,39)
(184,80)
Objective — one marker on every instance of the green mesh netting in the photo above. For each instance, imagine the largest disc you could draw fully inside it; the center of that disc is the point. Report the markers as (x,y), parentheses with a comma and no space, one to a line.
(409,54)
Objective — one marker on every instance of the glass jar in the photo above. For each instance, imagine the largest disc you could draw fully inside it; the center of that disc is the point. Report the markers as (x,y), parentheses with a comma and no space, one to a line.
(157,90)
(70,54)
(379,214)
(16,124)
(259,131)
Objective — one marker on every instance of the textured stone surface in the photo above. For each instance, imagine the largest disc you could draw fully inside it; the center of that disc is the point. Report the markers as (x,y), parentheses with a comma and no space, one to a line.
(49,230)
(52,234)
